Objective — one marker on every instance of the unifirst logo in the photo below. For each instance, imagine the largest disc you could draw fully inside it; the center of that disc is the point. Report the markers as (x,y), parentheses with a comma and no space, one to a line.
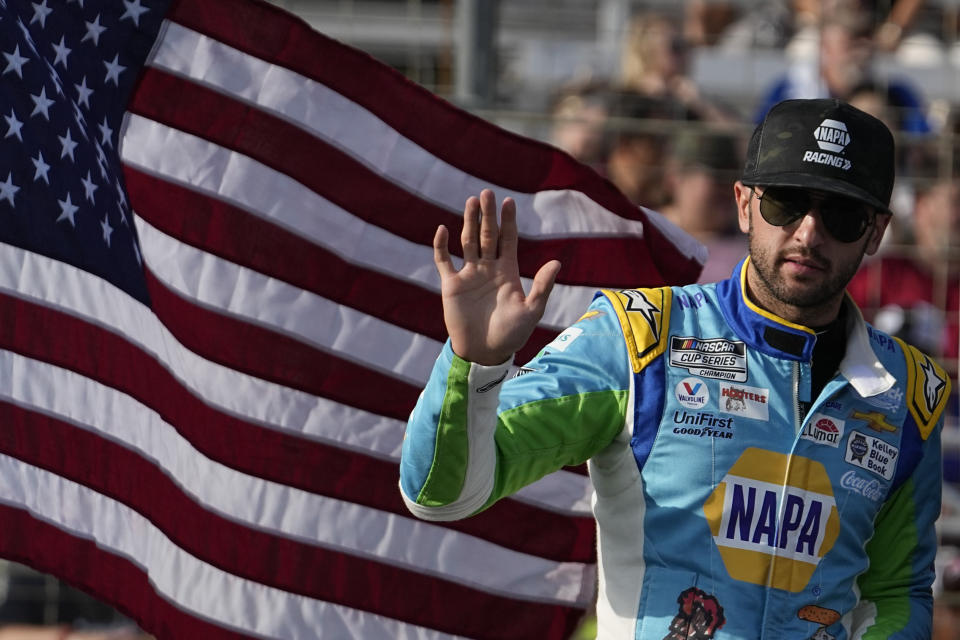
(832,135)
(773,518)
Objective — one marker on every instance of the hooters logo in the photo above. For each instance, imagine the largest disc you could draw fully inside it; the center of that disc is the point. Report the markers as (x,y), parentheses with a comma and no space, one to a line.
(771,532)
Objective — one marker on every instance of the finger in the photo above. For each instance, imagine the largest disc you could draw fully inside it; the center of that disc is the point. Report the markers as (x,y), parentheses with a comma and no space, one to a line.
(508,230)
(441,252)
(542,285)
(469,239)
(489,230)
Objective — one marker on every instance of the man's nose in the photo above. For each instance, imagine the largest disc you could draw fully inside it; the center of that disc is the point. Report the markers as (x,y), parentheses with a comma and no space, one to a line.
(811,231)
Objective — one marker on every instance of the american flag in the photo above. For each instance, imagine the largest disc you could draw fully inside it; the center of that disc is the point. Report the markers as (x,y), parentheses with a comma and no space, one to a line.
(217,307)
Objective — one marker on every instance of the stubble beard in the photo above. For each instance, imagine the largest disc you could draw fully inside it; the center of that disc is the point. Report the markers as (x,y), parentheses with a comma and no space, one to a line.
(768,268)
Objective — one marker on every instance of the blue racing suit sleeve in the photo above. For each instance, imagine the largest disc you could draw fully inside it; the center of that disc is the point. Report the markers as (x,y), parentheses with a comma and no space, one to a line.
(475,436)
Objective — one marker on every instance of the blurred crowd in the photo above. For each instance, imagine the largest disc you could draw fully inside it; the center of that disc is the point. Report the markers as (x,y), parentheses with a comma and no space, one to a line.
(667,146)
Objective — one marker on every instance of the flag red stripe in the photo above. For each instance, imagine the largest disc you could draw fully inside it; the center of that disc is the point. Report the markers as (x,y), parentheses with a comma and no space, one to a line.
(461,139)
(272,560)
(44,334)
(245,239)
(278,358)
(352,186)
(109,577)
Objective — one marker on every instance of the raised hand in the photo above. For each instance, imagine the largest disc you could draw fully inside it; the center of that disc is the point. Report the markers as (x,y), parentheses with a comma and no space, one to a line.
(487,314)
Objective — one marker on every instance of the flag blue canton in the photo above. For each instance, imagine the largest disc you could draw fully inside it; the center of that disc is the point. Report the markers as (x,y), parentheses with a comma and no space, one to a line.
(67,70)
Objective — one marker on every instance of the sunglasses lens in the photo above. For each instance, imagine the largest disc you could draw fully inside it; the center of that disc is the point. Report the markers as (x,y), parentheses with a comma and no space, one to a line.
(844,218)
(780,207)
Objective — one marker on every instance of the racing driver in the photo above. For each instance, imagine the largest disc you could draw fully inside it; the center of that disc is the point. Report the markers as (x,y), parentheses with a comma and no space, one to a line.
(765,463)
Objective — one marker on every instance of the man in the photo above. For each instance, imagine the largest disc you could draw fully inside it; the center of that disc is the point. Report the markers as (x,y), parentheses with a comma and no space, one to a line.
(805,511)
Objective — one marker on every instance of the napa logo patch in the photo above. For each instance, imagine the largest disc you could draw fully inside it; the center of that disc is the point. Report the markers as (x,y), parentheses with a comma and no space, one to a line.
(710,358)
(873,454)
(749,402)
(692,393)
(823,430)
(773,518)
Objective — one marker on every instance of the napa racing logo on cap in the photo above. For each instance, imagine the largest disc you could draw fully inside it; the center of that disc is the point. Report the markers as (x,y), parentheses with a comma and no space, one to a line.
(773,518)
(712,358)
(873,454)
(832,137)
(749,402)
(692,393)
(823,430)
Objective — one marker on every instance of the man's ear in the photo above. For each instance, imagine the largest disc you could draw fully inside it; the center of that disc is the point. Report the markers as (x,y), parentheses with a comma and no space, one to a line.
(876,233)
(743,193)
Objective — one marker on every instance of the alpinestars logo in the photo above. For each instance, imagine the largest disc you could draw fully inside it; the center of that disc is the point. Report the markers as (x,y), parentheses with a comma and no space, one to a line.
(832,137)
(638,303)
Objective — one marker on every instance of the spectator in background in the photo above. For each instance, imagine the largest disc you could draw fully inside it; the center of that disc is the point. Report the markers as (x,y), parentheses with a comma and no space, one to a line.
(579,119)
(702,165)
(845,63)
(654,63)
(636,146)
(917,296)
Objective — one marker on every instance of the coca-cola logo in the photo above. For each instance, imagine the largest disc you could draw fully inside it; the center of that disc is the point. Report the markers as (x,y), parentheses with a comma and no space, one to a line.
(869,488)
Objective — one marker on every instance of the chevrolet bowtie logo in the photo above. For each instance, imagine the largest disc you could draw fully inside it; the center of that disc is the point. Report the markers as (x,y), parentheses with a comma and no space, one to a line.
(875,420)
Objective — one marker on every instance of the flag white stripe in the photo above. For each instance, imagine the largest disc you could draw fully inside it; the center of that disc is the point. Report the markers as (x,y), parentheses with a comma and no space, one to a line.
(260,504)
(204,279)
(358,132)
(58,285)
(180,578)
(222,174)
(212,282)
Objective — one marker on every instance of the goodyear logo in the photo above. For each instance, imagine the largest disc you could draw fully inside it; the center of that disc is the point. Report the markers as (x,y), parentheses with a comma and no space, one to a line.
(773,518)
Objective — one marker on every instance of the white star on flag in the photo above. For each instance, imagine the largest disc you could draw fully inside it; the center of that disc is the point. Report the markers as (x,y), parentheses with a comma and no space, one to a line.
(15,62)
(8,189)
(14,126)
(67,211)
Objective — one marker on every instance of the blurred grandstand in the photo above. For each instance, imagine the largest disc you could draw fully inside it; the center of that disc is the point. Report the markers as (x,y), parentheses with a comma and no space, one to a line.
(516,63)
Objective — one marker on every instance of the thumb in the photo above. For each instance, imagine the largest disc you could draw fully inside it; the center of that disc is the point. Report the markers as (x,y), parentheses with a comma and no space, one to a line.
(542,285)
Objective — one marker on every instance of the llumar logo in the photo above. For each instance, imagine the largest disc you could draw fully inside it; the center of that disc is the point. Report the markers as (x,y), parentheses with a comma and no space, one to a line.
(772,531)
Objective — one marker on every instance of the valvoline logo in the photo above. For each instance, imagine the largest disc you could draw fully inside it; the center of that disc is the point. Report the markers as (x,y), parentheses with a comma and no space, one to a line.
(773,518)
(692,393)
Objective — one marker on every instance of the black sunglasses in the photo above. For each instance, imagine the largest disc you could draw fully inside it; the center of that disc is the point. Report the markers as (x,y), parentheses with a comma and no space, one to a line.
(845,219)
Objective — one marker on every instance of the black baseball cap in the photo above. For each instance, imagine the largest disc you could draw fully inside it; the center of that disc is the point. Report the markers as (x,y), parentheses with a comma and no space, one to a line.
(826,145)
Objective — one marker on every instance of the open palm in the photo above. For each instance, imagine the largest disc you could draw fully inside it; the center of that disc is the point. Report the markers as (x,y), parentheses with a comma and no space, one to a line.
(487,313)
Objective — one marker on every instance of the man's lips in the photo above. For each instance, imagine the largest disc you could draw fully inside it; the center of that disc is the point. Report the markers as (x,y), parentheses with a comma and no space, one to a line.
(804,264)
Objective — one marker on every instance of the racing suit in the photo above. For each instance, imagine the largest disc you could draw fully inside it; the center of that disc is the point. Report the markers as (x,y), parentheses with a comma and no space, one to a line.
(730,504)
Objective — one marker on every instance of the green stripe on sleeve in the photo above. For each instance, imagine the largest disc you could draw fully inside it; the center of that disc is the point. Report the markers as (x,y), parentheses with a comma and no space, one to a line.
(445,481)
